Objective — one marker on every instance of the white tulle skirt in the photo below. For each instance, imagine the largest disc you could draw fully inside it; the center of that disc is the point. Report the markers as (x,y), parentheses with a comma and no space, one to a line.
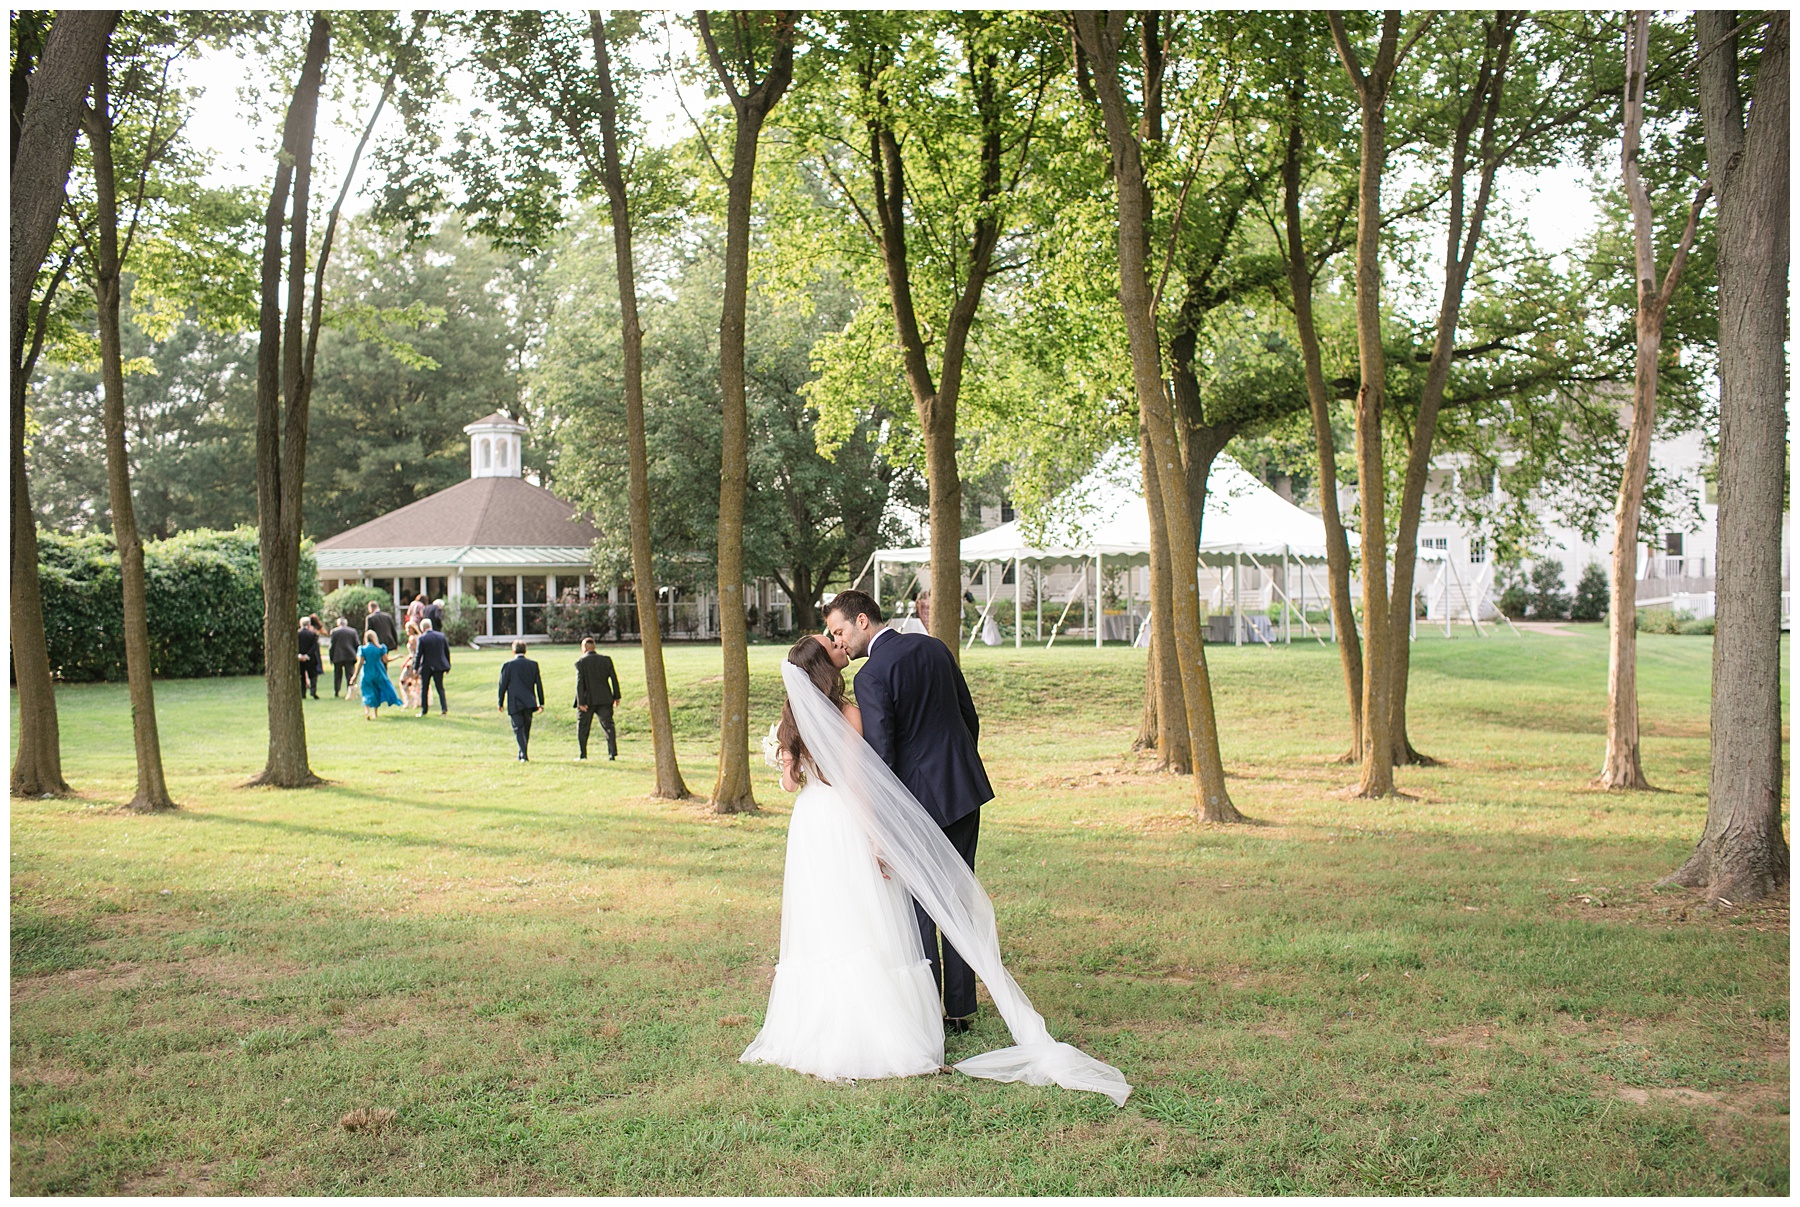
(853,995)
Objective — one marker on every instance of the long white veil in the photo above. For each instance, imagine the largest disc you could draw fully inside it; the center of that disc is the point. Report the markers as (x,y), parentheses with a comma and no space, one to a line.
(922,859)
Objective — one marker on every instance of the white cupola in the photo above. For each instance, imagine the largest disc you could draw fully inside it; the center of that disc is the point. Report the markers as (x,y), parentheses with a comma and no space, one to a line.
(494,446)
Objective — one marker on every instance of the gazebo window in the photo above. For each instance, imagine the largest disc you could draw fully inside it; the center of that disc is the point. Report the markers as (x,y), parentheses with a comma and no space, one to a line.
(535,591)
(504,445)
(487,454)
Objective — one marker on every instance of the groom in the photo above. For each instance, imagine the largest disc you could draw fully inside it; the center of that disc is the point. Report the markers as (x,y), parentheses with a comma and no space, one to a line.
(917,715)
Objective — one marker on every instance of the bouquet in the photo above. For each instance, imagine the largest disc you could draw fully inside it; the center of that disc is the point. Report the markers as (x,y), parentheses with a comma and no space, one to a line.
(771,747)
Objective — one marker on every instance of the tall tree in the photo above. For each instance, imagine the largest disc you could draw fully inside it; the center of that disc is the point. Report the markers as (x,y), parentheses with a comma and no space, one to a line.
(926,124)
(1373,87)
(48,92)
(1303,263)
(105,258)
(287,349)
(1742,855)
(569,133)
(753,91)
(1101,37)
(669,784)
(1623,765)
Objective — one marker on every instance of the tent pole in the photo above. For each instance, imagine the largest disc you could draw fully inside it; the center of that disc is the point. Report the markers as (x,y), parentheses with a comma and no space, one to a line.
(877,592)
(1444,578)
(1080,588)
(1099,616)
(1287,605)
(1037,599)
(1237,599)
(1018,604)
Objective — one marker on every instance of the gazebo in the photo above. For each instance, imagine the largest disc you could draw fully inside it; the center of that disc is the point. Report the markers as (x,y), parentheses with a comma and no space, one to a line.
(507,541)
(1101,522)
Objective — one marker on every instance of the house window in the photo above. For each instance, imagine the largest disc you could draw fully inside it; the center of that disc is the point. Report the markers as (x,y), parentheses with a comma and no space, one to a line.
(1006,573)
(1672,542)
(1477,551)
(1006,511)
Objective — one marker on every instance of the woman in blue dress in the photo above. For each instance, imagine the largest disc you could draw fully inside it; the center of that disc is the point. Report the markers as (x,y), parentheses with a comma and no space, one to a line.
(377,688)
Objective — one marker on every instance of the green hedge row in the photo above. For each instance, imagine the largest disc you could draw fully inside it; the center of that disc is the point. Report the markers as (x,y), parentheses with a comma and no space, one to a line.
(205,604)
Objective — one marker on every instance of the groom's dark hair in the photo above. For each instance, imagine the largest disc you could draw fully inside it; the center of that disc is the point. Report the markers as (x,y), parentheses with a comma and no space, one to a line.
(853,603)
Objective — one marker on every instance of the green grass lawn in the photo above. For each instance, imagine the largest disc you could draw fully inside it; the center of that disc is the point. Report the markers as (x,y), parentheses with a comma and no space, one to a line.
(548,976)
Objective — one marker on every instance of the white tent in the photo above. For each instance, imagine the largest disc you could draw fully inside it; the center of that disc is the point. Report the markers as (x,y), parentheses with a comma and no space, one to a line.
(1101,519)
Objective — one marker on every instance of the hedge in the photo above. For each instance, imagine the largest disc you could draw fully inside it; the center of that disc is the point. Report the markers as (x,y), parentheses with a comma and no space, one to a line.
(204,597)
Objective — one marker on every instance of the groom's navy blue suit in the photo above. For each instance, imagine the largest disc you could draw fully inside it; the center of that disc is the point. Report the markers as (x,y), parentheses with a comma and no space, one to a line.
(917,715)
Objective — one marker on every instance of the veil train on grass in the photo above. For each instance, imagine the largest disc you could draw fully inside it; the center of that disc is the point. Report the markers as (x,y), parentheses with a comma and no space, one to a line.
(922,859)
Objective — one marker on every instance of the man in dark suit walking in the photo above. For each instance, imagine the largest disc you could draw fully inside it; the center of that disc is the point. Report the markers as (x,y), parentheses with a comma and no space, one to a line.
(918,717)
(344,644)
(382,625)
(521,695)
(596,691)
(433,663)
(311,665)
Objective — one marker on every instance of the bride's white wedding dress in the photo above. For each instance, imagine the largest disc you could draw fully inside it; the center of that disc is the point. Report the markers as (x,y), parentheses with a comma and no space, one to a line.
(853,995)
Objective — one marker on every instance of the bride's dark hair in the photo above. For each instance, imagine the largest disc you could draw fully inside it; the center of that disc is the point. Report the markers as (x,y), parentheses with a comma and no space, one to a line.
(810,656)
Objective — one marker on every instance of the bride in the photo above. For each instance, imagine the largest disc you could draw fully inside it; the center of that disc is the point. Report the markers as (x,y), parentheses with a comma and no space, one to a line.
(853,995)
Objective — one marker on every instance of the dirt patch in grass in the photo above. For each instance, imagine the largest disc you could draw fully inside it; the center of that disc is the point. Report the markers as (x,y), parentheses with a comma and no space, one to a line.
(78,980)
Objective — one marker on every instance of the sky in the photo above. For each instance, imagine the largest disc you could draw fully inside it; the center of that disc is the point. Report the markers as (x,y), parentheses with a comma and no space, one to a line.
(1557,204)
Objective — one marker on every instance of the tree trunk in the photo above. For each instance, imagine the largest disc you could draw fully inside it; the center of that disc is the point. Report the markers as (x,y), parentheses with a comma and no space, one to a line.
(1174,744)
(1371,398)
(281,437)
(43,147)
(936,405)
(1337,542)
(1100,35)
(732,791)
(1146,737)
(1623,766)
(669,784)
(1483,108)
(1743,855)
(152,790)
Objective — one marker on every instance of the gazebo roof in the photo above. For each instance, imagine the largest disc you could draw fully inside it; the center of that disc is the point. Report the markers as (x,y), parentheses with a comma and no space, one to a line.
(476,515)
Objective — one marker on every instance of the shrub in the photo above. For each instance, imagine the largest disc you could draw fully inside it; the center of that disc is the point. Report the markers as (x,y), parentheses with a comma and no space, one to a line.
(1699,627)
(570,618)
(1657,620)
(204,604)
(1548,599)
(1514,600)
(462,619)
(1591,594)
(352,603)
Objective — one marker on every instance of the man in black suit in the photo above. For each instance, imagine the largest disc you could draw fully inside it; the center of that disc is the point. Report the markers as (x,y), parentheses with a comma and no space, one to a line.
(434,612)
(521,695)
(311,665)
(382,625)
(596,691)
(344,644)
(918,717)
(433,664)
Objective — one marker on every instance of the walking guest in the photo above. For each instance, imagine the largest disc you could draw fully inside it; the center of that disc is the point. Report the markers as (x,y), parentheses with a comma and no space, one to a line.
(343,656)
(386,631)
(409,670)
(311,666)
(415,611)
(377,688)
(434,612)
(432,656)
(521,695)
(596,691)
